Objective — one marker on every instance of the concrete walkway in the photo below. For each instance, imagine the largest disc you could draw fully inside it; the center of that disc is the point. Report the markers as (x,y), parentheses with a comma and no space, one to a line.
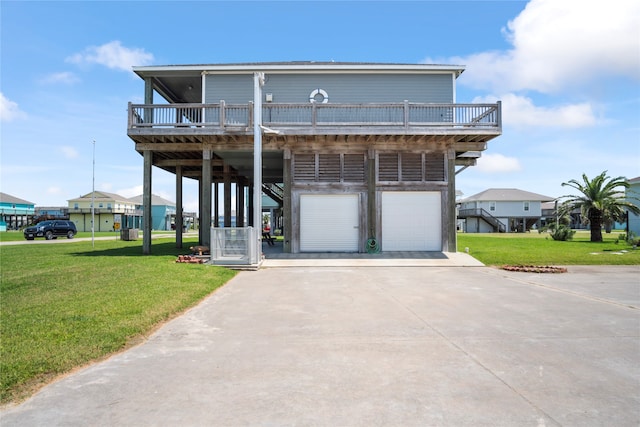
(389,346)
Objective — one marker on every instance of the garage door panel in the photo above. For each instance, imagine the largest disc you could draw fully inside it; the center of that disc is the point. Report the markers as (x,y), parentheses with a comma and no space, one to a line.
(329,223)
(411,221)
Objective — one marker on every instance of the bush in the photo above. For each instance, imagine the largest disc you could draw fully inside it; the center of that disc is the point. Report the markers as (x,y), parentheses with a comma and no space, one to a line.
(631,239)
(562,233)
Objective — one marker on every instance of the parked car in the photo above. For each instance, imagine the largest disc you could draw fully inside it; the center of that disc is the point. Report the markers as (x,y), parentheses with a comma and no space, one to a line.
(51,230)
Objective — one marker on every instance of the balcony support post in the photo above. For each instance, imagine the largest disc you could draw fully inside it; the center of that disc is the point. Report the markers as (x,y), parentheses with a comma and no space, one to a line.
(146,202)
(372,217)
(250,220)
(205,218)
(239,204)
(227,195)
(216,205)
(148,100)
(286,200)
(179,219)
(450,228)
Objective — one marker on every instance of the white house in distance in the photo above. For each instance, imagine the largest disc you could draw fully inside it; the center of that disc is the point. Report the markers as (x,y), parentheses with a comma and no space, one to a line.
(633,195)
(109,209)
(501,210)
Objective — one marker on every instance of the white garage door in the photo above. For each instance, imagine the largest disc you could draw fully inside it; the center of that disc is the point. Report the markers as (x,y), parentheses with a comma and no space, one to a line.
(329,223)
(411,221)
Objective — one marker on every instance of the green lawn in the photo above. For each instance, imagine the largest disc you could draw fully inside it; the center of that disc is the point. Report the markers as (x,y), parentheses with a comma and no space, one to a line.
(65,305)
(540,249)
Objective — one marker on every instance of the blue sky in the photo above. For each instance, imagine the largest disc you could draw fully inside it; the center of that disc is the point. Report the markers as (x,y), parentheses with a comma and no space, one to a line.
(567,72)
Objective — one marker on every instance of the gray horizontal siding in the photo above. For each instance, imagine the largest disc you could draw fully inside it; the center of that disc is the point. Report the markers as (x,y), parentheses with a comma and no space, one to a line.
(341,88)
(233,89)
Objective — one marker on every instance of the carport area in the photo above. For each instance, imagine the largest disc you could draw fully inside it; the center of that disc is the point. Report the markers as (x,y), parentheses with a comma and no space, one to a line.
(376,346)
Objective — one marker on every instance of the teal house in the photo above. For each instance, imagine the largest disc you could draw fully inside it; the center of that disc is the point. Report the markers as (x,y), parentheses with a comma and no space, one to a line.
(14,212)
(163,211)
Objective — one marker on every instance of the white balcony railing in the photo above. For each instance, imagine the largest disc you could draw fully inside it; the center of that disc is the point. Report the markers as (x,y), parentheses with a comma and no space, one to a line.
(406,114)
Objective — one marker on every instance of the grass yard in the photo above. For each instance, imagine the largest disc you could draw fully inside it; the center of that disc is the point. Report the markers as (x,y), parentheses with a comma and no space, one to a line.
(64,305)
(540,249)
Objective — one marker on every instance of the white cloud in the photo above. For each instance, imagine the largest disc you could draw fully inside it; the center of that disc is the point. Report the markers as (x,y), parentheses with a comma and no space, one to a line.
(112,55)
(497,163)
(69,152)
(64,77)
(520,111)
(130,192)
(9,110)
(560,43)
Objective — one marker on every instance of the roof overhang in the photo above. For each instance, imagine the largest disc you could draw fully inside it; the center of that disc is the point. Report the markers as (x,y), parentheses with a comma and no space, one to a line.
(295,67)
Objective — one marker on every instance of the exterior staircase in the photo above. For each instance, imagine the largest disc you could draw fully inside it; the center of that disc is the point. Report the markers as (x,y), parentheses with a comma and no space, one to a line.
(498,227)
(275,191)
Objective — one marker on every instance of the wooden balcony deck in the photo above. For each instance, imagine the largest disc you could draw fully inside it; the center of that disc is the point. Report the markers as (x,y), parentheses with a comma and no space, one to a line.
(177,133)
(233,124)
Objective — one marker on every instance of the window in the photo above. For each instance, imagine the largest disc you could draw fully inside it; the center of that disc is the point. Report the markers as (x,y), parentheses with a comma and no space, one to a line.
(492,206)
(108,205)
(526,206)
(100,205)
(75,206)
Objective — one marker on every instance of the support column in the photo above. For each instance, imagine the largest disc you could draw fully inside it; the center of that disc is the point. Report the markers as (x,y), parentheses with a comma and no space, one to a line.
(148,99)
(251,221)
(372,217)
(146,202)
(179,219)
(239,204)
(451,218)
(286,201)
(227,196)
(216,205)
(205,220)
(200,210)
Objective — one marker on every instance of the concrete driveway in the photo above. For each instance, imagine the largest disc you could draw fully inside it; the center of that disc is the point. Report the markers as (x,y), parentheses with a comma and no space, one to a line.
(375,346)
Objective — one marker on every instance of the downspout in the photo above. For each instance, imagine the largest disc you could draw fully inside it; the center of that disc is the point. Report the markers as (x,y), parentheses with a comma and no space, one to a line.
(258,82)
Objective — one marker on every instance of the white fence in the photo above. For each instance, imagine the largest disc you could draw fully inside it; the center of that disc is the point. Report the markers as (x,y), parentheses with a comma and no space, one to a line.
(235,246)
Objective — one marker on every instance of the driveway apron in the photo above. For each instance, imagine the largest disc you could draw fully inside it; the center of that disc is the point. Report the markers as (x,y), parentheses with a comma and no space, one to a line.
(375,346)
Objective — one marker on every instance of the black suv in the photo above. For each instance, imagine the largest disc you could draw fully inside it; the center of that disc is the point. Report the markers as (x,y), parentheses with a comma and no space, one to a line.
(51,230)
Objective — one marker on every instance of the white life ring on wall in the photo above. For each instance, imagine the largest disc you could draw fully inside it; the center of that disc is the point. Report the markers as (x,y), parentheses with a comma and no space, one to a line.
(316,92)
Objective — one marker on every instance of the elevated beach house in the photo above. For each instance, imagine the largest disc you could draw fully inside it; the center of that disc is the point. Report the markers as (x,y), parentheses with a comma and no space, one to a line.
(364,155)
(502,210)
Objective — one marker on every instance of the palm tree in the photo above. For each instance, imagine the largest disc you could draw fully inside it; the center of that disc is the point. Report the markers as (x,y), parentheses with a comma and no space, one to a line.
(600,200)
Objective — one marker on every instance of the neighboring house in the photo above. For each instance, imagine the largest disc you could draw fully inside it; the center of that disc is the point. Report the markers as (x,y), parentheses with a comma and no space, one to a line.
(502,210)
(14,212)
(360,151)
(163,211)
(633,195)
(111,211)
